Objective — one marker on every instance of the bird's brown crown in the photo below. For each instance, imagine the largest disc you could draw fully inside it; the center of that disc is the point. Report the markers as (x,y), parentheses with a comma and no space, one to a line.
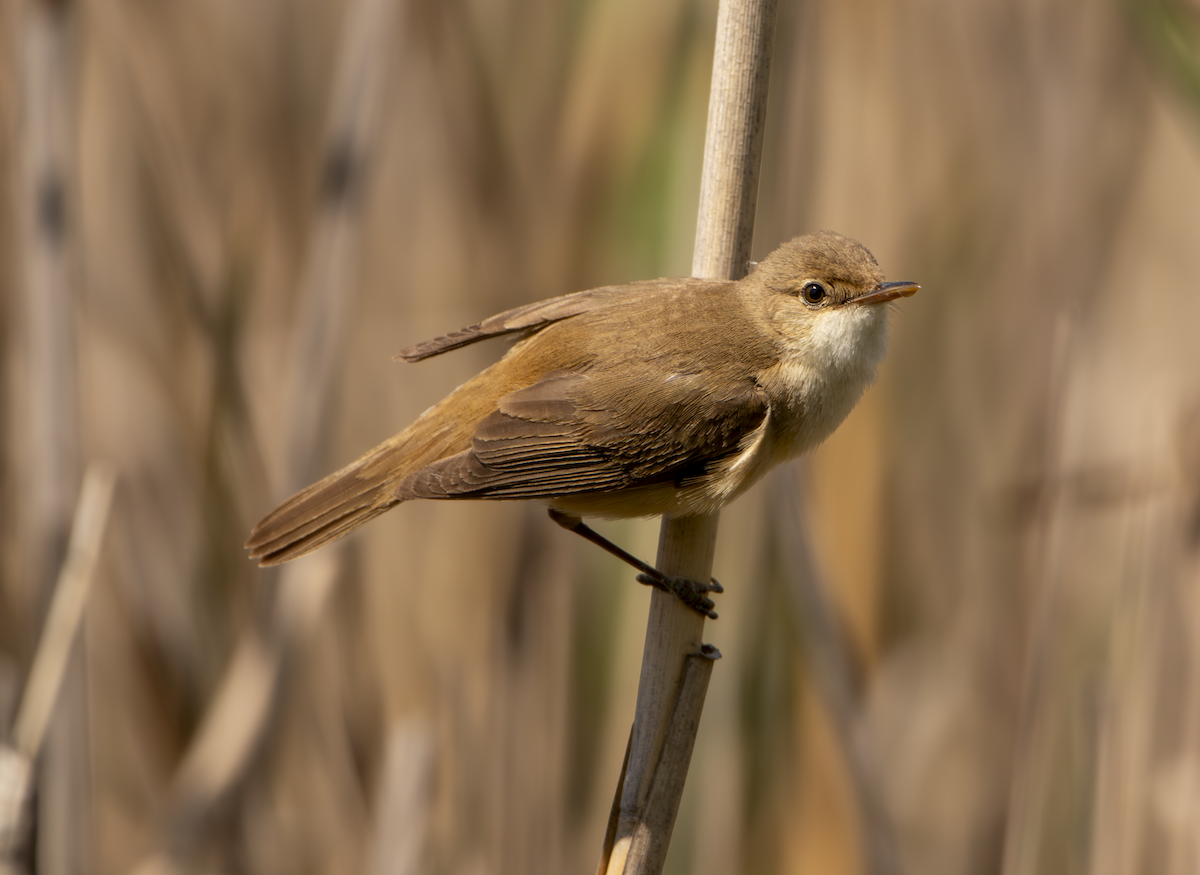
(845,264)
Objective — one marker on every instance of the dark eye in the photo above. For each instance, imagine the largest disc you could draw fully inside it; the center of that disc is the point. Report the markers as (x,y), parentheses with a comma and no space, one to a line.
(813,294)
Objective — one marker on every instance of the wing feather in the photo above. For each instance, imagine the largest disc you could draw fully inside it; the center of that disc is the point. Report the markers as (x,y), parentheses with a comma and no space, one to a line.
(561,437)
(535,316)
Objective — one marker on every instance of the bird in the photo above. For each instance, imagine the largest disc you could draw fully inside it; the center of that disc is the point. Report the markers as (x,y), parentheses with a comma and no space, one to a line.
(660,397)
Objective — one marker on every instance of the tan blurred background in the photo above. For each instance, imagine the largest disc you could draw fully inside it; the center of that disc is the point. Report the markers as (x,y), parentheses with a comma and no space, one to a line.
(1009,524)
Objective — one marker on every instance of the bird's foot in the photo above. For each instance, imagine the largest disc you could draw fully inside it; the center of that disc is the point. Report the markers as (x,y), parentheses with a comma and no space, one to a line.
(690,592)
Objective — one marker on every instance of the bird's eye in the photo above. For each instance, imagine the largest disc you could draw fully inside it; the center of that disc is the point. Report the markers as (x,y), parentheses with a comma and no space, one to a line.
(813,294)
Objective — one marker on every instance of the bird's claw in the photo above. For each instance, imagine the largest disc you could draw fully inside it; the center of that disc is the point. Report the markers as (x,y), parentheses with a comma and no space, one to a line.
(690,592)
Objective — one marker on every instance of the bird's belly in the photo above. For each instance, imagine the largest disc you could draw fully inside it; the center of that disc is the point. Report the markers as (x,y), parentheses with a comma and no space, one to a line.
(640,501)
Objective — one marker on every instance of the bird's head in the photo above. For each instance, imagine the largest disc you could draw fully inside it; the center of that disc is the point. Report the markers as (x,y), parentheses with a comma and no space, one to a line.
(820,296)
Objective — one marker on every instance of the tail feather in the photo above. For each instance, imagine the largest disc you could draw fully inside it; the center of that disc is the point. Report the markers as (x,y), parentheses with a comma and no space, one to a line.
(322,512)
(346,499)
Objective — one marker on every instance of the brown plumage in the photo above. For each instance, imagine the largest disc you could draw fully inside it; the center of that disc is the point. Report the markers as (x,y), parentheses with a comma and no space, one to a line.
(667,396)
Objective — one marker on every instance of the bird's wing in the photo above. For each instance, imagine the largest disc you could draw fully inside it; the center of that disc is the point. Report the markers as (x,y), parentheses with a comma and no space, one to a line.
(564,436)
(532,317)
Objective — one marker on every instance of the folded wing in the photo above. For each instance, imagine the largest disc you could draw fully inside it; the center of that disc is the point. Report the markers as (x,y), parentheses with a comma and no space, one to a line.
(562,436)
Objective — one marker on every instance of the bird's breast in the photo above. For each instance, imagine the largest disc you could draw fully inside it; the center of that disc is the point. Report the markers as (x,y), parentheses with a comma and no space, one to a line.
(813,389)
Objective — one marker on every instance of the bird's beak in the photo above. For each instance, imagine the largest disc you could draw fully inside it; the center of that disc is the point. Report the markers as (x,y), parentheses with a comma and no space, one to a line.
(885,292)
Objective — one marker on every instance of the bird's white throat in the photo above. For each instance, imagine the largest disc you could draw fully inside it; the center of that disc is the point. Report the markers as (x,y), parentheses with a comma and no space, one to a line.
(849,338)
(824,374)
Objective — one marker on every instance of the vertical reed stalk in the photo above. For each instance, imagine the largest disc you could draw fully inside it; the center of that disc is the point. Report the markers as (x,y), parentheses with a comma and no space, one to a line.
(48,55)
(830,663)
(675,668)
(245,705)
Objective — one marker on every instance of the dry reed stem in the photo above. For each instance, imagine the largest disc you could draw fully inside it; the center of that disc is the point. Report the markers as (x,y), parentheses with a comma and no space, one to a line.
(66,611)
(1024,823)
(405,805)
(49,263)
(828,655)
(16,774)
(331,275)
(1124,768)
(673,635)
(54,650)
(614,814)
(244,707)
(652,834)
(1145,776)
(48,154)
(737,111)
(665,722)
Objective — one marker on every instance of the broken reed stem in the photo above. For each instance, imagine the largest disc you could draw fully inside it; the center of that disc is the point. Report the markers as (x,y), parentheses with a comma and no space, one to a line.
(648,837)
(671,689)
(50,660)
(66,611)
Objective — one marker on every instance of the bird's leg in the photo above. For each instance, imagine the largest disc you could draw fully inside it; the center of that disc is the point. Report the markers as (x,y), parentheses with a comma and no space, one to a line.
(690,592)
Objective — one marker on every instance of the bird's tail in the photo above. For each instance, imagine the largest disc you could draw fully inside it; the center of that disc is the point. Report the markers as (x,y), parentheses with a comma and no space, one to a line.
(362,490)
(327,509)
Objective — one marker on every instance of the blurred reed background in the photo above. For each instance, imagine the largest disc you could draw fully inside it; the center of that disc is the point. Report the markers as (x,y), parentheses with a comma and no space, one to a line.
(1008,526)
